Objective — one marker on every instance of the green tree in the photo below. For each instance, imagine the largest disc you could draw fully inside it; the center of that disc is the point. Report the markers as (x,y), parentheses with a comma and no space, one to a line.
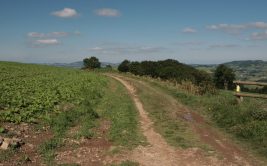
(124,66)
(134,68)
(224,77)
(91,63)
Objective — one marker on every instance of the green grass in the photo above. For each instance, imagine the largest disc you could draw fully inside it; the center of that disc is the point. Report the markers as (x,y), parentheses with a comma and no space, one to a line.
(119,109)
(164,114)
(2,130)
(47,150)
(246,122)
(126,163)
(74,164)
(84,116)
(6,154)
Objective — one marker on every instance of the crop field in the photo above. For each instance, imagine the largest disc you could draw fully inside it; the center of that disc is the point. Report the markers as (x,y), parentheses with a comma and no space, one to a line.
(44,106)
(29,92)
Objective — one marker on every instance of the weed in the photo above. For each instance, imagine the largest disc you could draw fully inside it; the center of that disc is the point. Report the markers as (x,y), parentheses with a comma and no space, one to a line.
(5,155)
(72,164)
(129,163)
(47,150)
(126,163)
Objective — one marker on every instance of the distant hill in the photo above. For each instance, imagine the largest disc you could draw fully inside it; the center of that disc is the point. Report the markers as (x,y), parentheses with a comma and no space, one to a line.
(252,70)
(247,63)
(79,64)
(249,70)
(72,65)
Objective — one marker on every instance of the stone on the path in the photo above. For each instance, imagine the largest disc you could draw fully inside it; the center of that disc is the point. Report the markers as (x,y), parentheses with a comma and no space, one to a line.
(5,145)
(7,142)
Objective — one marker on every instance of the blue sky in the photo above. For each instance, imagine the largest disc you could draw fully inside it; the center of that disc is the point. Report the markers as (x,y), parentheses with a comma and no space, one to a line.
(191,31)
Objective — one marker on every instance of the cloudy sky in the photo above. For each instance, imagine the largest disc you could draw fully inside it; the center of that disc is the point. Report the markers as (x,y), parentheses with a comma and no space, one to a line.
(191,31)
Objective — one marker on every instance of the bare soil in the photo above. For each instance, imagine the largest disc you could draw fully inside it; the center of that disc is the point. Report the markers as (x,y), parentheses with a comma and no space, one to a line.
(27,154)
(85,152)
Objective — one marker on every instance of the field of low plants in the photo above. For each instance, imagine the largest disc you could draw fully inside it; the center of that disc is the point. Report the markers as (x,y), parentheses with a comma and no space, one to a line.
(29,92)
(47,97)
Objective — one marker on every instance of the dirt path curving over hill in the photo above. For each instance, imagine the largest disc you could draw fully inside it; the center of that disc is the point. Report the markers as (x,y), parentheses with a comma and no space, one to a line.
(159,153)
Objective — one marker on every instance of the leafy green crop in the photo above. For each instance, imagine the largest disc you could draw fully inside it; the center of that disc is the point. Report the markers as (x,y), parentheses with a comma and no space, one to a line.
(29,91)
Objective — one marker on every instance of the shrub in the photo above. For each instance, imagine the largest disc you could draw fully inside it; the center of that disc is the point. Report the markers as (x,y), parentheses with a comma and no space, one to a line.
(124,66)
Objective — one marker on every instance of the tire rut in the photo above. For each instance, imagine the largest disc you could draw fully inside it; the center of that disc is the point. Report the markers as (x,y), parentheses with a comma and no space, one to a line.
(159,153)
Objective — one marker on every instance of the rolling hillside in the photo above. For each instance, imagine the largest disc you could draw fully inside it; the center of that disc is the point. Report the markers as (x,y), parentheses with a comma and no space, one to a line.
(250,70)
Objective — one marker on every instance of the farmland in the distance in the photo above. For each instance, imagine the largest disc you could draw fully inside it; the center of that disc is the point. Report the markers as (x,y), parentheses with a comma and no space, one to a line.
(245,70)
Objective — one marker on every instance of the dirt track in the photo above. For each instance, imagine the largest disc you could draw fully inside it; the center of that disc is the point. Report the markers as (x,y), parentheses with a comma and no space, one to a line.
(159,153)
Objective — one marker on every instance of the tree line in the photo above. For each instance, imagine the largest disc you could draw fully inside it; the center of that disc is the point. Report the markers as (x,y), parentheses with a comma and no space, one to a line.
(173,70)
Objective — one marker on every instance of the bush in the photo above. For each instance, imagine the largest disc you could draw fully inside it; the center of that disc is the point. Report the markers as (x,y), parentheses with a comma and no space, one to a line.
(124,66)
(171,70)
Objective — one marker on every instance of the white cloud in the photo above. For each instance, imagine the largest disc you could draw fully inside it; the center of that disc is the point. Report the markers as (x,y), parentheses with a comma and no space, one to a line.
(96,49)
(224,46)
(127,50)
(190,43)
(47,42)
(189,30)
(36,39)
(66,13)
(35,34)
(108,12)
(237,28)
(57,34)
(258,36)
(228,28)
(52,34)
(259,25)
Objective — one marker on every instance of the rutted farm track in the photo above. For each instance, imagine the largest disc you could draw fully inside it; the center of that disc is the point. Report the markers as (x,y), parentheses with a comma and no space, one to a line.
(160,153)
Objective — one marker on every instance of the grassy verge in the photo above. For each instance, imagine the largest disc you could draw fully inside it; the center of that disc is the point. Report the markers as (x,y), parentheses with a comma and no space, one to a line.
(164,114)
(246,122)
(118,107)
